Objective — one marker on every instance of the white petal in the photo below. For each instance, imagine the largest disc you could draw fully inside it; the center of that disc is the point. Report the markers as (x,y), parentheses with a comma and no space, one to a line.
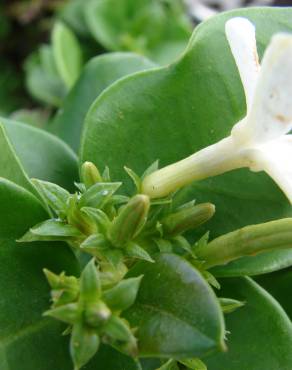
(240,33)
(271,113)
(275,158)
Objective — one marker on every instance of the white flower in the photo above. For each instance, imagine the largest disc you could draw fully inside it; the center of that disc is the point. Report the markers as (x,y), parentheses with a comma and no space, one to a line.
(260,141)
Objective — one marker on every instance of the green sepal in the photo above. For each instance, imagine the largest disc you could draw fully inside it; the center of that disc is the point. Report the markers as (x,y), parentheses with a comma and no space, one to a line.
(130,220)
(84,344)
(96,314)
(135,251)
(229,305)
(65,289)
(99,217)
(164,246)
(169,365)
(95,244)
(119,334)
(55,196)
(136,179)
(90,285)
(153,167)
(123,295)
(98,194)
(194,364)
(79,219)
(89,174)
(51,230)
(187,218)
(247,241)
(68,313)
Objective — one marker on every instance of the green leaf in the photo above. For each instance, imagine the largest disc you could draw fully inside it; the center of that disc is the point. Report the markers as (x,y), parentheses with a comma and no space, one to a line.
(169,365)
(108,358)
(51,230)
(97,195)
(176,311)
(10,165)
(42,155)
(194,364)
(42,79)
(67,53)
(135,251)
(147,27)
(123,295)
(55,196)
(97,75)
(26,337)
(279,284)
(169,113)
(260,332)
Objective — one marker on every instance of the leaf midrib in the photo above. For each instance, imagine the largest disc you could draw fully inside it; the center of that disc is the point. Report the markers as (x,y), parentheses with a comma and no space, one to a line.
(170,314)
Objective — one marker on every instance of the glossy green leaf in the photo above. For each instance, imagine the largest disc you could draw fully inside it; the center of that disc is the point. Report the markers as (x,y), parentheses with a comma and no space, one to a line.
(50,230)
(26,337)
(260,332)
(176,311)
(153,28)
(67,53)
(42,155)
(279,285)
(97,75)
(10,165)
(169,113)
(109,359)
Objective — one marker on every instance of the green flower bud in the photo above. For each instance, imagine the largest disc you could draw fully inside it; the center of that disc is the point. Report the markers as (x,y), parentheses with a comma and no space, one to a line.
(247,241)
(90,174)
(65,289)
(96,314)
(130,220)
(187,218)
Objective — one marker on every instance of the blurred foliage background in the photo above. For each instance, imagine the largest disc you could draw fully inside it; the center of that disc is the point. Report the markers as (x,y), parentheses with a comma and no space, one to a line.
(33,83)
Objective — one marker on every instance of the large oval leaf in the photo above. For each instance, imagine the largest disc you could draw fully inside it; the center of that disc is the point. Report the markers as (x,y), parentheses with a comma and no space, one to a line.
(176,311)
(279,285)
(10,166)
(26,338)
(171,112)
(97,75)
(109,359)
(42,155)
(260,332)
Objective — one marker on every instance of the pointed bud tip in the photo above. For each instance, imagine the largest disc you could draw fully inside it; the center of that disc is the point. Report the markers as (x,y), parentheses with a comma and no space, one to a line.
(90,174)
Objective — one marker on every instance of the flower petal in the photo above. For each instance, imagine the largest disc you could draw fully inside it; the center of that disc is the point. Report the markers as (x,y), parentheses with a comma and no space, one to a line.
(240,33)
(275,158)
(271,113)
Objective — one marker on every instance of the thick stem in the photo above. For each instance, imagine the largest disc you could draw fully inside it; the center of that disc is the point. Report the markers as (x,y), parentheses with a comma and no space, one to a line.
(211,161)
